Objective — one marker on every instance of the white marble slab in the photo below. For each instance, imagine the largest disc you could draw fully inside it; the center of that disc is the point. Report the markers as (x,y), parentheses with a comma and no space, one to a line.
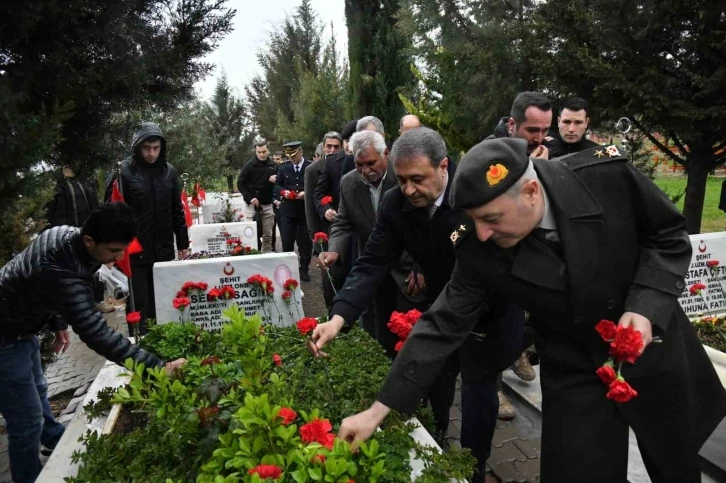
(706,247)
(214,206)
(217,272)
(213,238)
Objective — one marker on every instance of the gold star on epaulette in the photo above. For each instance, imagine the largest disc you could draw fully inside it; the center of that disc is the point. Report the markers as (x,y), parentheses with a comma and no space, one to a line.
(599,153)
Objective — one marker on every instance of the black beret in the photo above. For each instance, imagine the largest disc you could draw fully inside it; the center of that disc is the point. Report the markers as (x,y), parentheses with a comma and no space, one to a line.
(349,129)
(488,170)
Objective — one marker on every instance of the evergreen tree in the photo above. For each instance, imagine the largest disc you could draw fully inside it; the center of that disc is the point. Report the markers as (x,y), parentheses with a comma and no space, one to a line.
(659,63)
(473,58)
(229,125)
(291,50)
(379,60)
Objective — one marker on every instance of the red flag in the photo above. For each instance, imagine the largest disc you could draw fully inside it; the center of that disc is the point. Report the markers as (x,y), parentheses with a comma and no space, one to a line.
(187,211)
(198,195)
(135,247)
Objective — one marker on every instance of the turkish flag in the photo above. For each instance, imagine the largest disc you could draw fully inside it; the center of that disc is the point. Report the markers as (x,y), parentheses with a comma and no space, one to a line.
(199,196)
(135,247)
(187,211)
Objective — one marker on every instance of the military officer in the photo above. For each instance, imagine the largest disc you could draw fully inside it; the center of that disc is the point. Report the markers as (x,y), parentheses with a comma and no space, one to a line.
(573,242)
(290,191)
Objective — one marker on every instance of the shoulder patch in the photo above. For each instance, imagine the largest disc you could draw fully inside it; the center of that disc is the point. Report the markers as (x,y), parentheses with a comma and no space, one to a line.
(466,227)
(594,156)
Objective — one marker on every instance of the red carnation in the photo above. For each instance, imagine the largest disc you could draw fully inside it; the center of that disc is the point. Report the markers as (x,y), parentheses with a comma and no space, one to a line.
(286,296)
(606,373)
(399,346)
(320,237)
(188,287)
(181,293)
(318,431)
(269,289)
(275,357)
(248,250)
(620,391)
(627,345)
(412,316)
(399,326)
(227,292)
(236,250)
(214,294)
(606,329)
(133,318)
(290,284)
(712,263)
(326,200)
(266,471)
(696,288)
(201,286)
(287,415)
(181,303)
(306,324)
(254,279)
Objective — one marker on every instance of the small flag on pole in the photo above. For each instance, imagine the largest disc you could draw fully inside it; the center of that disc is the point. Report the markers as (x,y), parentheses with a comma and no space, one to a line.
(135,247)
(187,211)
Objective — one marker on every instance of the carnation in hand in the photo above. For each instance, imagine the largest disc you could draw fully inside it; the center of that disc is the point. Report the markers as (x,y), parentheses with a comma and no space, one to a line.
(306,325)
(620,391)
(628,344)
(606,373)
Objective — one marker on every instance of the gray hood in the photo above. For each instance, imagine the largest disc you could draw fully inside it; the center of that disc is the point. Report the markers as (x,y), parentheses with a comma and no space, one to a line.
(147,130)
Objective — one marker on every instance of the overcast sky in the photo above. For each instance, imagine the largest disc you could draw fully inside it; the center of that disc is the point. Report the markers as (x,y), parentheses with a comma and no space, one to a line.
(254,20)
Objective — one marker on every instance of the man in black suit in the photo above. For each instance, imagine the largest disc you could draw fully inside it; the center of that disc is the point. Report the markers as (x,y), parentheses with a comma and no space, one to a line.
(419,218)
(291,194)
(330,174)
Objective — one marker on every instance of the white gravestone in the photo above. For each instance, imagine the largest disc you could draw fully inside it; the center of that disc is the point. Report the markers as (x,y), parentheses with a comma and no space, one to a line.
(212,238)
(218,272)
(215,205)
(706,247)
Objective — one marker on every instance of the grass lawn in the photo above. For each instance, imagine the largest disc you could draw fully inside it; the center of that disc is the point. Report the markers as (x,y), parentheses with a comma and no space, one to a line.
(713,219)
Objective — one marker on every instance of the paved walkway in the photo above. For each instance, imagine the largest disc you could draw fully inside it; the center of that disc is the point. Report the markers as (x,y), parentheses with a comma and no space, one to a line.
(73,370)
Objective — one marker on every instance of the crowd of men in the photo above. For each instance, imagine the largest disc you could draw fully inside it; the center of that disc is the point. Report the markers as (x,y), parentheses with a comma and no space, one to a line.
(531,239)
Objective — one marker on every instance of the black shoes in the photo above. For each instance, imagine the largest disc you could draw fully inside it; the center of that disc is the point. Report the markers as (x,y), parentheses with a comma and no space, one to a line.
(304,275)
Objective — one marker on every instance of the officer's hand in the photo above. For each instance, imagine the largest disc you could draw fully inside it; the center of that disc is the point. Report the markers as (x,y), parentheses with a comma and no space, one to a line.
(61,342)
(273,178)
(173,366)
(361,426)
(301,195)
(254,202)
(182,253)
(330,215)
(540,153)
(416,283)
(328,258)
(277,203)
(639,323)
(324,333)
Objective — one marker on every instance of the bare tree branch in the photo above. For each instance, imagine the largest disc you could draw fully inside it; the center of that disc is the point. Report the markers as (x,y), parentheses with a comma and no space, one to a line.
(663,148)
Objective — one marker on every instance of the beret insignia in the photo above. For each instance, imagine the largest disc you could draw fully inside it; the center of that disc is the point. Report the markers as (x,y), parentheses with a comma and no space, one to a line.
(496,174)
(612,151)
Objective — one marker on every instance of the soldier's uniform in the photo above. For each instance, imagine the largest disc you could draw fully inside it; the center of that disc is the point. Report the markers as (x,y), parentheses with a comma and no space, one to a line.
(291,213)
(617,245)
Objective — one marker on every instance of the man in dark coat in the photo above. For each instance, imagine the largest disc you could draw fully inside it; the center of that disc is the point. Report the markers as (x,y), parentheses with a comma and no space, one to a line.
(290,191)
(73,200)
(572,124)
(256,182)
(418,218)
(573,242)
(54,275)
(331,171)
(149,186)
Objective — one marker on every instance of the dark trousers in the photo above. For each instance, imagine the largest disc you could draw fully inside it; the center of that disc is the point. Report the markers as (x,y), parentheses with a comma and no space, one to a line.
(295,230)
(479,408)
(25,407)
(274,230)
(142,281)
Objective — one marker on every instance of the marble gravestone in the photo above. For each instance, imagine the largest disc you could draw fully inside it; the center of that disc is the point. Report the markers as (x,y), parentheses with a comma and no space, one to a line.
(234,271)
(214,207)
(212,238)
(706,247)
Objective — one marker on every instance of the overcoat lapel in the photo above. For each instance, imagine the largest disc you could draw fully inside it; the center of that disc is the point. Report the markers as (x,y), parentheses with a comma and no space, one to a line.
(364,199)
(580,225)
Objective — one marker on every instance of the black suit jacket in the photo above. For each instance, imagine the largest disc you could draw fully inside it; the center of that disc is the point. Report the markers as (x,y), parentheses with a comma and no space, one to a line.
(329,183)
(625,248)
(288,180)
(315,224)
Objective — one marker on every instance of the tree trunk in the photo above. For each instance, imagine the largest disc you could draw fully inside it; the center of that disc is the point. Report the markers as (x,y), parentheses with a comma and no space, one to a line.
(699,165)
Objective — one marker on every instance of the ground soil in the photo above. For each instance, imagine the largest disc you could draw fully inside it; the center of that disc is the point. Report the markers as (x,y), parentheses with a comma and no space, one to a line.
(313,301)
(59,402)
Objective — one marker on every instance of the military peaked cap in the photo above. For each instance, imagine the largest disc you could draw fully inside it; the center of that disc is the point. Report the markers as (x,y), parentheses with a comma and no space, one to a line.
(292,147)
(488,170)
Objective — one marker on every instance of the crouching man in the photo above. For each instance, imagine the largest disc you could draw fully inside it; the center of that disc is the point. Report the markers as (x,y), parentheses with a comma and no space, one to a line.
(54,275)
